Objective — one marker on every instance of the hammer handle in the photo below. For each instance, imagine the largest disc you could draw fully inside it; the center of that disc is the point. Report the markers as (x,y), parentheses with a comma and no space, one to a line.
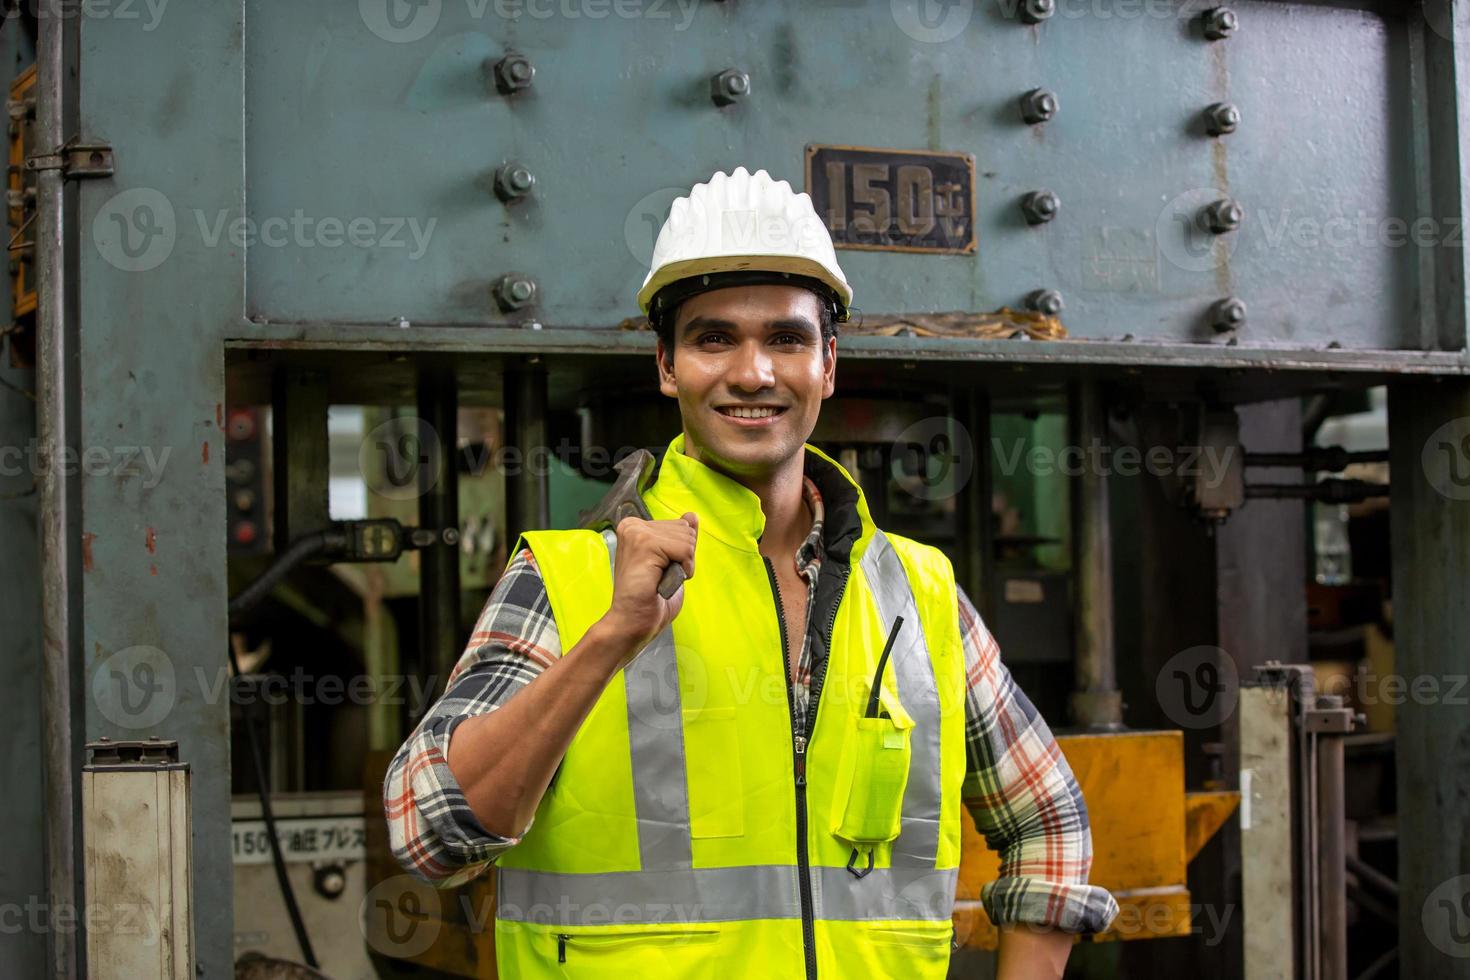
(673,577)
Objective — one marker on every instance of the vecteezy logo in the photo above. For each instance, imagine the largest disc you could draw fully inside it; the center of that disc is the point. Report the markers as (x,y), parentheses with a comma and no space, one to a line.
(1184,235)
(135,688)
(400,21)
(400,459)
(1198,687)
(135,230)
(400,916)
(1447,18)
(932,21)
(646,219)
(1446,459)
(664,681)
(1446,917)
(934,458)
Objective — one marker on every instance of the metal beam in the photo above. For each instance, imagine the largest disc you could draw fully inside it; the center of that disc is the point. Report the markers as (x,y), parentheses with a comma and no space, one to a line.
(1429,433)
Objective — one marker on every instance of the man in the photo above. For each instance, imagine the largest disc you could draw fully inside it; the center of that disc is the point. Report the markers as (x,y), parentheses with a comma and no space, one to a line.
(654,806)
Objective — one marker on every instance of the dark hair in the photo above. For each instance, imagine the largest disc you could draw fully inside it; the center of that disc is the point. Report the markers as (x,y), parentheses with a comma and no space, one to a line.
(663,325)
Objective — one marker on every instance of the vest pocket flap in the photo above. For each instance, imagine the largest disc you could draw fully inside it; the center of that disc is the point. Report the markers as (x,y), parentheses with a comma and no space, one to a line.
(871,778)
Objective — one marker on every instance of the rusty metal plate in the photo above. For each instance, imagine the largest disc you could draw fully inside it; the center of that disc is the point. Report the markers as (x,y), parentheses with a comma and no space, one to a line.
(894,200)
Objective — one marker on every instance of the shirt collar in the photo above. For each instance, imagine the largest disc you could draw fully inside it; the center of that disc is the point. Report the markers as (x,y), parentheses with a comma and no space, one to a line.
(732,513)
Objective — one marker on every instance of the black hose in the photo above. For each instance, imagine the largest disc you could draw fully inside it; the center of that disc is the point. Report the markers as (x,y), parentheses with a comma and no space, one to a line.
(284,880)
(301,549)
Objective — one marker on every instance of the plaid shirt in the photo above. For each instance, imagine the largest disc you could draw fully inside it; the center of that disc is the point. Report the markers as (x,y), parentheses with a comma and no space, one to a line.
(1018,787)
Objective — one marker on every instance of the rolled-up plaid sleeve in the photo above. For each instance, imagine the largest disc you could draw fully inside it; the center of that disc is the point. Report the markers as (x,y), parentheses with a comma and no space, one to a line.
(433,832)
(1024,799)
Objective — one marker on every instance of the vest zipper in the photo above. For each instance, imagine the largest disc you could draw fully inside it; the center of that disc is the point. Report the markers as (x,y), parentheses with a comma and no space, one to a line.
(821,678)
(799,745)
(798,742)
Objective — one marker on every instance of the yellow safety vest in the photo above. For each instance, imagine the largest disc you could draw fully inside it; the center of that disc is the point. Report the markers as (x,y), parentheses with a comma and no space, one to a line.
(690,832)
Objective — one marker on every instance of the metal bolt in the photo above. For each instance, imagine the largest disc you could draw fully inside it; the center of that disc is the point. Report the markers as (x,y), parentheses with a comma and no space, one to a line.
(1227,314)
(729,86)
(1036,11)
(1047,301)
(1219,23)
(330,881)
(1223,216)
(1038,106)
(1040,207)
(513,291)
(1222,118)
(514,73)
(513,181)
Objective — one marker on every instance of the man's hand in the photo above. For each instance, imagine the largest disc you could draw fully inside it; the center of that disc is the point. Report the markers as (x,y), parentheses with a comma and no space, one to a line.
(645,548)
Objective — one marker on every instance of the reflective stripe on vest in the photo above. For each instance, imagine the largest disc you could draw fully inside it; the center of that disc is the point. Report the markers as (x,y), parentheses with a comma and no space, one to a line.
(656,742)
(720,895)
(918,837)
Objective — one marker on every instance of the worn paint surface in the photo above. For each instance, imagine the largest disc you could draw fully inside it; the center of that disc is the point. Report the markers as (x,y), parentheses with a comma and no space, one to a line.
(403,135)
(152,375)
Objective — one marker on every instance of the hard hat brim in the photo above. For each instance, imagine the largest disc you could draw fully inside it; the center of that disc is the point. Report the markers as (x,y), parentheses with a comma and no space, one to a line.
(795,265)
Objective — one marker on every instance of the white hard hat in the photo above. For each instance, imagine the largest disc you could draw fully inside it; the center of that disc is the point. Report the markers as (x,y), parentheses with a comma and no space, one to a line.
(742,228)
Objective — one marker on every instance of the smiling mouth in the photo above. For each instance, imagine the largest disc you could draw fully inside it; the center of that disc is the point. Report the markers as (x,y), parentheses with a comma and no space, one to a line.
(742,412)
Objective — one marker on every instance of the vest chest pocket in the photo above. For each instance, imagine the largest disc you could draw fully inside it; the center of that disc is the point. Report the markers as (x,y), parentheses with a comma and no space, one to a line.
(712,763)
(872,774)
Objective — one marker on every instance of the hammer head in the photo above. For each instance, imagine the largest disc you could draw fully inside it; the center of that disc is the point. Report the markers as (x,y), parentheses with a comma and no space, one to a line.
(625,498)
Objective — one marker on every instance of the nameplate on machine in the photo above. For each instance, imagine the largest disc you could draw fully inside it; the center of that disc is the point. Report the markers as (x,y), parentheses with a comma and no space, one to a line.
(302,839)
(894,200)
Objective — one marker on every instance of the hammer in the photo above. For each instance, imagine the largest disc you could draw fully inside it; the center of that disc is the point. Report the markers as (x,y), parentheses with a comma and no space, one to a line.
(625,499)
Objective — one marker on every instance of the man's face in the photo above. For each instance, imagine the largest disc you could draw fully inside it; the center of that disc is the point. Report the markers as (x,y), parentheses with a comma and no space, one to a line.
(748,351)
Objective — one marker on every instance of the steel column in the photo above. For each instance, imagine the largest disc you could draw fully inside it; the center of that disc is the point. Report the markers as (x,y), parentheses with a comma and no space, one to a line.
(1096,702)
(1429,425)
(438,405)
(301,464)
(1331,855)
(526,493)
(58,396)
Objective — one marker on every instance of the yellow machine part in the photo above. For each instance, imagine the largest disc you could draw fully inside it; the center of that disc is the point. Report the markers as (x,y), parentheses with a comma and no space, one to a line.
(1145,830)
